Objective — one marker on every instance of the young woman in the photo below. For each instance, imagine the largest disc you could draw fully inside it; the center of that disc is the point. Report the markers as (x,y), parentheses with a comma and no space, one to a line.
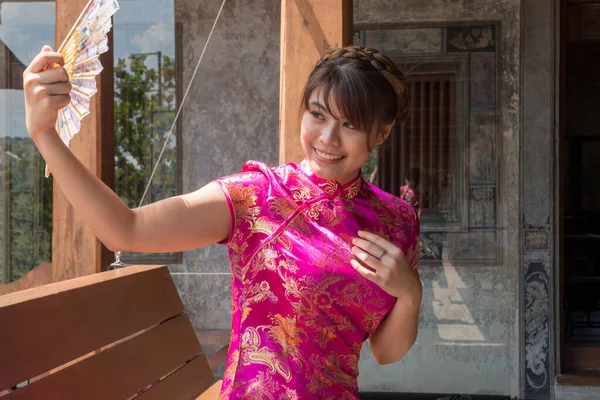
(321,260)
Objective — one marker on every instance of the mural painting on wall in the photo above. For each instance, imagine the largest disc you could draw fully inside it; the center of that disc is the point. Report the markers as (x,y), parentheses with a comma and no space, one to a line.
(537,320)
(535,239)
(470,38)
(432,49)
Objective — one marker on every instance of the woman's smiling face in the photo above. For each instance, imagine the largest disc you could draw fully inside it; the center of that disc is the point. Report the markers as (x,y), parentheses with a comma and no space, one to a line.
(333,146)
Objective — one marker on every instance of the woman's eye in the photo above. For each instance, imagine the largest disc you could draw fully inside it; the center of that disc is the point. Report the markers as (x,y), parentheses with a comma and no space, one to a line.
(316,114)
(349,125)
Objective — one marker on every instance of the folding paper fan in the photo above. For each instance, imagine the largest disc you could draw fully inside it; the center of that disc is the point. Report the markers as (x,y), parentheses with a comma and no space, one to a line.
(81,51)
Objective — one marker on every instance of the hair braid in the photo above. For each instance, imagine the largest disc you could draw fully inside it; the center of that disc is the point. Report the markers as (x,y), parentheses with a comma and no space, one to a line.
(382,64)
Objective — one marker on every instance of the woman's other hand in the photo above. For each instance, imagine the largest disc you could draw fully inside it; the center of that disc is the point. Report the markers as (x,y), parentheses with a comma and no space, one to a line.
(385,264)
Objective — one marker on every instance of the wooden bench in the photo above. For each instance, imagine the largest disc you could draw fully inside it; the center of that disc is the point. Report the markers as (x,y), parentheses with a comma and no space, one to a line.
(120,334)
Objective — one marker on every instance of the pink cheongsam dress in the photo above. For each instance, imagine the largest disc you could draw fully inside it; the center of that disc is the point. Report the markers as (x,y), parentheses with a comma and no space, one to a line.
(300,311)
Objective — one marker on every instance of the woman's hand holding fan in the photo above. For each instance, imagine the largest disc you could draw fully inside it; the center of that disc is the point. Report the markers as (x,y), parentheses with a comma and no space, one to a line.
(76,73)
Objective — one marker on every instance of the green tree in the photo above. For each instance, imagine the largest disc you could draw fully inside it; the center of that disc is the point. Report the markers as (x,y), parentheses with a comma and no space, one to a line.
(28,200)
(141,126)
(145,107)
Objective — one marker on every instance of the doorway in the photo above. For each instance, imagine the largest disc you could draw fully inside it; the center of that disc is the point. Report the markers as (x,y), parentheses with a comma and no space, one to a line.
(579,201)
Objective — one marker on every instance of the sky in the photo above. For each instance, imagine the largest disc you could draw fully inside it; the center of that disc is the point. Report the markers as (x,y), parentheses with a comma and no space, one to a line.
(139,27)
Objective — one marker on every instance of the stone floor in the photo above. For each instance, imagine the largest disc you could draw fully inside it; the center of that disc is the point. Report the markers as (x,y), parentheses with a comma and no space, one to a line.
(577,393)
(426,396)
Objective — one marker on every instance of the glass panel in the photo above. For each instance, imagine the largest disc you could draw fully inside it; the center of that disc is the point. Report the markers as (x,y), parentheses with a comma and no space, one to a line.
(444,160)
(25,195)
(146,99)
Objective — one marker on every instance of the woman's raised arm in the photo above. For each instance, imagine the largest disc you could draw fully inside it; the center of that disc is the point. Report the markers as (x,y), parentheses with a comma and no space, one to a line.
(176,224)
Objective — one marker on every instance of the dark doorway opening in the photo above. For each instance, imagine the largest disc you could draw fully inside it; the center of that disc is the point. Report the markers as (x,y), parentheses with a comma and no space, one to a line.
(579,171)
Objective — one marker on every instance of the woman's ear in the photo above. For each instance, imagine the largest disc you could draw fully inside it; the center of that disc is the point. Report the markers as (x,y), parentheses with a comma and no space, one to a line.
(385,132)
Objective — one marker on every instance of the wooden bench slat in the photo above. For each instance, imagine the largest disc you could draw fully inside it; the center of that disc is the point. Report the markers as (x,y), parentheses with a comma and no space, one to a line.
(185,384)
(219,357)
(46,327)
(214,336)
(123,370)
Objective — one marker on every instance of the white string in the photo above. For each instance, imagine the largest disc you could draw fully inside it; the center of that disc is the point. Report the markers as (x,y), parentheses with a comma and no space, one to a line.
(118,261)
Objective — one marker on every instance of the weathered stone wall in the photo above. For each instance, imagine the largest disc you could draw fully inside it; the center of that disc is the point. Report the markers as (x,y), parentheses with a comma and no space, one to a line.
(229,117)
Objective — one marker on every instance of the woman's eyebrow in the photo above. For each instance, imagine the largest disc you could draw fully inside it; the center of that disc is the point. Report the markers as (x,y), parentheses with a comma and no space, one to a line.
(319,106)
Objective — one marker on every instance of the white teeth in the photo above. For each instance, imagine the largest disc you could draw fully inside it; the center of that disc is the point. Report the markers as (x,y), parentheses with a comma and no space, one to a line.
(327,156)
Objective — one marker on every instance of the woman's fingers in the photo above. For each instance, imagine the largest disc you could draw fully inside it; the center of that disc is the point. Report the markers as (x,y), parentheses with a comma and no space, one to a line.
(43,59)
(60,100)
(389,272)
(376,239)
(46,91)
(57,88)
(367,273)
(53,75)
(370,260)
(389,247)
(369,247)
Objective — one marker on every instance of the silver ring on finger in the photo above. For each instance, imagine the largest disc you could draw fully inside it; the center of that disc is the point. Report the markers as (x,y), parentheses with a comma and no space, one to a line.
(382,253)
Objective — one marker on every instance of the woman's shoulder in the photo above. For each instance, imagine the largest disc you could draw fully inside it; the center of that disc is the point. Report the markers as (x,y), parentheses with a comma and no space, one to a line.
(394,203)
(267,169)
(260,174)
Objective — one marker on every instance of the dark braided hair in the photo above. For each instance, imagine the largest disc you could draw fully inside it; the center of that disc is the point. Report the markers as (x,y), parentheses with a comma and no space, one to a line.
(367,87)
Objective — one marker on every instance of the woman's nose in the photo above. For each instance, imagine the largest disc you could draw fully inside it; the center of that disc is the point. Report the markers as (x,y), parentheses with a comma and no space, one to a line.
(330,136)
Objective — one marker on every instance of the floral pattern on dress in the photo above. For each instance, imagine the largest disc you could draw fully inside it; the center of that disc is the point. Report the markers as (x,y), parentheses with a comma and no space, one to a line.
(300,311)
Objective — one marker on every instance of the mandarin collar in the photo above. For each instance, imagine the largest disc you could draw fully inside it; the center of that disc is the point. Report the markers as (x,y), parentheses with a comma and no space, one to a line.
(333,186)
